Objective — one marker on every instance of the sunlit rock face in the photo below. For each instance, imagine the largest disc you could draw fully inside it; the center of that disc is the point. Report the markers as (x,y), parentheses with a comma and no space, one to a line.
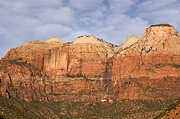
(155,55)
(90,69)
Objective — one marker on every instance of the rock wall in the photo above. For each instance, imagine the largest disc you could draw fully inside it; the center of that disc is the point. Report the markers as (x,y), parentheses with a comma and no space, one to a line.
(147,69)
(155,55)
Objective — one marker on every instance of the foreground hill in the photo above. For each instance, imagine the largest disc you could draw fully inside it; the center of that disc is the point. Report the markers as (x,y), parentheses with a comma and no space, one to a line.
(132,109)
(92,70)
(171,112)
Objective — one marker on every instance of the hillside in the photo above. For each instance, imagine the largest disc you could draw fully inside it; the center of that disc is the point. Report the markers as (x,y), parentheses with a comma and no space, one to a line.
(172,111)
(93,70)
(16,108)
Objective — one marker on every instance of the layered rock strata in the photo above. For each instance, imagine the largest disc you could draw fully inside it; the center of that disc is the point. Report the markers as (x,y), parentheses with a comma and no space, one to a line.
(90,69)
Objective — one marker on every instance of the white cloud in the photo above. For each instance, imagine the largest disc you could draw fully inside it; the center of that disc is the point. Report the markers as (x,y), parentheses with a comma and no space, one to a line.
(51,30)
(166,15)
(84,5)
(160,11)
(153,5)
(121,6)
(43,3)
(125,27)
(53,15)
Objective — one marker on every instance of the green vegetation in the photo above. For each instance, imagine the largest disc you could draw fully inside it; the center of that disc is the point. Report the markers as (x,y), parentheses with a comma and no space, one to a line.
(169,108)
(19,62)
(17,108)
(162,65)
(66,84)
(159,65)
(175,65)
(76,76)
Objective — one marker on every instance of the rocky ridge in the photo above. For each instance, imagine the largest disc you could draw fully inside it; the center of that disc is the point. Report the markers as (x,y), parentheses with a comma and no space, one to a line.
(90,69)
(55,39)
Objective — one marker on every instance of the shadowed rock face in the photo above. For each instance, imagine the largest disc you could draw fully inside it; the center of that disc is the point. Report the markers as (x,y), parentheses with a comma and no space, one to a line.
(90,68)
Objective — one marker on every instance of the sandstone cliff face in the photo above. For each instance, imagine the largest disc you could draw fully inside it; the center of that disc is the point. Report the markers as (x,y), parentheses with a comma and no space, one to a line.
(73,59)
(109,48)
(33,52)
(46,70)
(129,41)
(153,58)
(155,55)
(90,68)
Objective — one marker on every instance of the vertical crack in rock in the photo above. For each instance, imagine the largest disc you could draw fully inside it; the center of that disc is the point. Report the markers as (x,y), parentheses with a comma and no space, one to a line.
(8,94)
(80,59)
(10,78)
(107,80)
(68,61)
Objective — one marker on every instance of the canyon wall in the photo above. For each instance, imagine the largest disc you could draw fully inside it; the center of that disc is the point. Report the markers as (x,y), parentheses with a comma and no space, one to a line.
(90,69)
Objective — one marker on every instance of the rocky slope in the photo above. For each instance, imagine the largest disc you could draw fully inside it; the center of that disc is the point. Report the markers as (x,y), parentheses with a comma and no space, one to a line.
(171,112)
(90,69)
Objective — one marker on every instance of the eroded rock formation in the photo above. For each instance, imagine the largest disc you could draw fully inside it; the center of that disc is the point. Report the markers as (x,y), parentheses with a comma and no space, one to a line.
(90,69)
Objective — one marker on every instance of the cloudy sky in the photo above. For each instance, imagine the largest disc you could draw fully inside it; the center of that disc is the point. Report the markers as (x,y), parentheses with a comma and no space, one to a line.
(22,21)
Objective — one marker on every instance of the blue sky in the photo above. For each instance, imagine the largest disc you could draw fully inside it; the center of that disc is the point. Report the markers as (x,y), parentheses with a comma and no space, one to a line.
(22,21)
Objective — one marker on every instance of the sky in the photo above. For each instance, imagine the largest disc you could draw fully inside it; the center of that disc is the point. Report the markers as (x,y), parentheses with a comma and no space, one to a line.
(22,21)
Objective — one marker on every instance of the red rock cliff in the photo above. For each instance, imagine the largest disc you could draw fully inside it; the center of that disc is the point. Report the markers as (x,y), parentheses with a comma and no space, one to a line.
(89,68)
(155,55)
